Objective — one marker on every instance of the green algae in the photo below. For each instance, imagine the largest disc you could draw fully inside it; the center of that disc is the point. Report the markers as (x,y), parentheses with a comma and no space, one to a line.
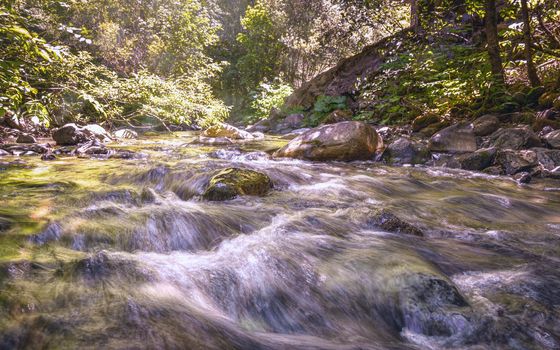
(232,182)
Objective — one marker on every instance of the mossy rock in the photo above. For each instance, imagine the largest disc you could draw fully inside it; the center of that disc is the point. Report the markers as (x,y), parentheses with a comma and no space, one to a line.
(547,99)
(424,121)
(556,103)
(232,182)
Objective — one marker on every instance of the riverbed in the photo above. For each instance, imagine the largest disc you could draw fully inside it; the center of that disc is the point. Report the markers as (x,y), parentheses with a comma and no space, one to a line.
(125,254)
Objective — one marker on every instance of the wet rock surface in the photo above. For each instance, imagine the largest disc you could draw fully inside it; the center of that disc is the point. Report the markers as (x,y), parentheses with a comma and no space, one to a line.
(344,141)
(232,182)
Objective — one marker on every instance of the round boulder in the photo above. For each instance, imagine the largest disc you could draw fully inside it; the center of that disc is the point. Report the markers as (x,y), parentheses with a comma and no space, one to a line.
(26,138)
(232,182)
(406,151)
(345,141)
(458,138)
(69,135)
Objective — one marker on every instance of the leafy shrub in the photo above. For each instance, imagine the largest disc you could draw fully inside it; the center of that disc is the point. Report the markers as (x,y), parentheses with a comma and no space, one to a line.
(267,97)
(323,106)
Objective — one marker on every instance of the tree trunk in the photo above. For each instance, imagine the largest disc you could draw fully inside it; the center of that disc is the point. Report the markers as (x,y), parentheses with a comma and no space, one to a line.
(531,69)
(414,15)
(493,45)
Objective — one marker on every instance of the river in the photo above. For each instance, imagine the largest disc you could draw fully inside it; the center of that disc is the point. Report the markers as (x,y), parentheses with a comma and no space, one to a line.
(124,254)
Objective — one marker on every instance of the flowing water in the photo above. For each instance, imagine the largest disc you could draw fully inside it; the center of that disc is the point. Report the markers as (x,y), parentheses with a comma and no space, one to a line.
(124,254)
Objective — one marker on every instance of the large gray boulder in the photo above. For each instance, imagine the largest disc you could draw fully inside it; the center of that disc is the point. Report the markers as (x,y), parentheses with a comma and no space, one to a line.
(514,138)
(345,141)
(26,138)
(513,161)
(486,125)
(94,131)
(405,151)
(458,138)
(69,135)
(479,160)
(72,134)
(548,158)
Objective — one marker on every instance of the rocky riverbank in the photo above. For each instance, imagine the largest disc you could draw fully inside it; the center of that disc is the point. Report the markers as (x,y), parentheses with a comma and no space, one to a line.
(493,144)
(522,145)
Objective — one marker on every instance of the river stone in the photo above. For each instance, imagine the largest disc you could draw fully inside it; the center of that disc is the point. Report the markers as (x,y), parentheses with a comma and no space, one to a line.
(479,160)
(486,125)
(423,121)
(391,223)
(4,153)
(513,161)
(406,151)
(345,141)
(458,138)
(226,130)
(126,134)
(548,158)
(553,139)
(514,138)
(432,305)
(94,131)
(260,126)
(69,135)
(25,138)
(232,182)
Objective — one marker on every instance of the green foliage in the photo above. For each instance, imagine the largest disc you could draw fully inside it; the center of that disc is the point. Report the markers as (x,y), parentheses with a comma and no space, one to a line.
(261,47)
(323,106)
(58,84)
(427,78)
(267,97)
(25,64)
(93,93)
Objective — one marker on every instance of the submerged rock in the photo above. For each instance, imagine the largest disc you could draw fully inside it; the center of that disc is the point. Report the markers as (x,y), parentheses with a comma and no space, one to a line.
(232,182)
(458,138)
(344,141)
(392,223)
